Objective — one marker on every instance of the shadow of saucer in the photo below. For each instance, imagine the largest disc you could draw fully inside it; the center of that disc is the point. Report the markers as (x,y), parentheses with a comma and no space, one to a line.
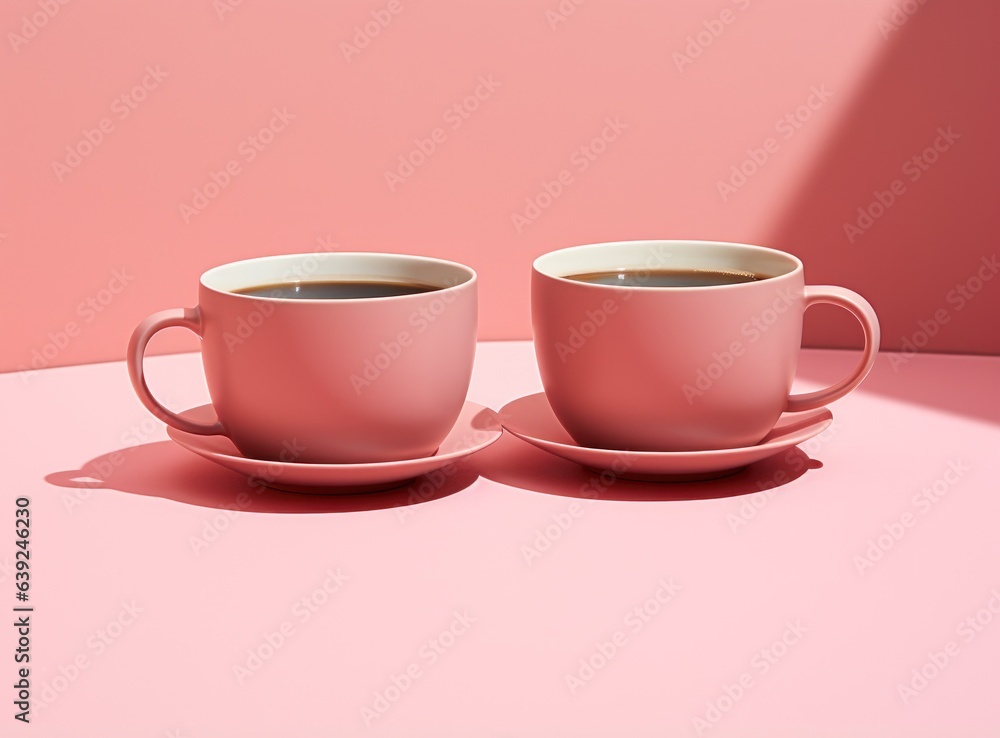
(165,470)
(517,463)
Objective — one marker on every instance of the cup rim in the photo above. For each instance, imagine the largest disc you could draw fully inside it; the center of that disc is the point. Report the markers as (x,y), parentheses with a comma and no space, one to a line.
(205,281)
(539,264)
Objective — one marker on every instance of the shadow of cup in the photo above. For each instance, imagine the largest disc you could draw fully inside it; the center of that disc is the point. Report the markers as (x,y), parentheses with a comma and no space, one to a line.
(517,463)
(165,470)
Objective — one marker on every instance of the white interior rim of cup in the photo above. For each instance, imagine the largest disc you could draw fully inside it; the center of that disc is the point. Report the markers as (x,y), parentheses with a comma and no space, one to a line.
(648,255)
(330,266)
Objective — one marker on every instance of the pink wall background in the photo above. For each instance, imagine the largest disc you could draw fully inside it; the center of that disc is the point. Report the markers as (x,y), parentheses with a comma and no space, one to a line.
(91,246)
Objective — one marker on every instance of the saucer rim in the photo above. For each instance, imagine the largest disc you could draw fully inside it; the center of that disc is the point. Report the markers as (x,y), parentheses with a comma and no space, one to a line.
(779,444)
(180,438)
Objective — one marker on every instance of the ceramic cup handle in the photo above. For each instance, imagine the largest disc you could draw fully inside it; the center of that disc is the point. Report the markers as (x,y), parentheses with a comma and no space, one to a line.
(189,318)
(861,310)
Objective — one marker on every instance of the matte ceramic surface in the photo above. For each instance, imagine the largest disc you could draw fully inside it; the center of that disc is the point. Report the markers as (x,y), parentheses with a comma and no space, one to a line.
(531,419)
(477,427)
(679,369)
(352,381)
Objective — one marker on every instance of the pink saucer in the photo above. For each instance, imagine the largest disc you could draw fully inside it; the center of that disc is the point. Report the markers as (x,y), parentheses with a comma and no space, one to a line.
(531,419)
(476,428)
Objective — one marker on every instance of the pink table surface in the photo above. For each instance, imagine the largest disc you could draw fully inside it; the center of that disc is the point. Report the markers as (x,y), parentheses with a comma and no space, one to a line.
(860,596)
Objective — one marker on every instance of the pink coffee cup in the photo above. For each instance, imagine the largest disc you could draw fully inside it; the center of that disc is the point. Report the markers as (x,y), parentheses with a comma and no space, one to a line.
(352,380)
(678,368)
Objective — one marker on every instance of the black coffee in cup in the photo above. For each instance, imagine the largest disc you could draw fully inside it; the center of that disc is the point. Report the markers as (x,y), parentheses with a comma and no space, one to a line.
(341,289)
(668,277)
